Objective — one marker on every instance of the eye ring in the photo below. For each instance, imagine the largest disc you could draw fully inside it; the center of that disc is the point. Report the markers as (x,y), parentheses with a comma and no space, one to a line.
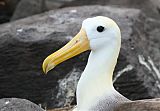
(100,28)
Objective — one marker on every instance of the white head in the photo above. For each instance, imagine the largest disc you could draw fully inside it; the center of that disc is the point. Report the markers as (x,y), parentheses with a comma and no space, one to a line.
(101,31)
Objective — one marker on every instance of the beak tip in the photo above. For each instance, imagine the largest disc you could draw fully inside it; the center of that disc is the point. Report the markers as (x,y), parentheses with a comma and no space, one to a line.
(45,72)
(47,68)
(44,68)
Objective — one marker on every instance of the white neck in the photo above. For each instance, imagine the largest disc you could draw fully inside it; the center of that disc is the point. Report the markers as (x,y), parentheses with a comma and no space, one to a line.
(96,80)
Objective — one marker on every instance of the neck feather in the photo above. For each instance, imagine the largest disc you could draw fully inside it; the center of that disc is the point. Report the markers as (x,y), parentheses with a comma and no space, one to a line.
(96,80)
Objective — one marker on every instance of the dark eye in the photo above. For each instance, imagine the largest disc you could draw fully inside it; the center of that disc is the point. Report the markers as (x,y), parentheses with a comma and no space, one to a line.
(100,28)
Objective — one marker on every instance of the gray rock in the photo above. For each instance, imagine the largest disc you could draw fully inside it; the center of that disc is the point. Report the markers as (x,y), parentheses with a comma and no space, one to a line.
(67,88)
(31,7)
(6,9)
(27,8)
(149,7)
(24,44)
(15,104)
(11,5)
(50,4)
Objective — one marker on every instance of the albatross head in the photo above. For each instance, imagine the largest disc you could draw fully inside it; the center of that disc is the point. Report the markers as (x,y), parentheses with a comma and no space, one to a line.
(96,34)
(102,36)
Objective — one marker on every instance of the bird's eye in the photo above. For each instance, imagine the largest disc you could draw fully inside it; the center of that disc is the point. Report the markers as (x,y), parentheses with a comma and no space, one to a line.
(100,28)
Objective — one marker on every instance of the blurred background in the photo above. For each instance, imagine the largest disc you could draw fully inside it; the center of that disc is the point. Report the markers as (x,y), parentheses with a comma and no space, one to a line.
(30,30)
(15,9)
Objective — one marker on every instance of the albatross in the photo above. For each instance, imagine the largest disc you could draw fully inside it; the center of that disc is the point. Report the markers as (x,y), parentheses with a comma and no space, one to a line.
(95,90)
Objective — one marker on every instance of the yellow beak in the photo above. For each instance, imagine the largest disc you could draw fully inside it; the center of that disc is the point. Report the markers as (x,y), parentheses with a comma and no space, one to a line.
(77,45)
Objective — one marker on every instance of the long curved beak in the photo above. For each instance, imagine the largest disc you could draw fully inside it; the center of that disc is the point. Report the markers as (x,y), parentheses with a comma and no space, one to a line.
(77,45)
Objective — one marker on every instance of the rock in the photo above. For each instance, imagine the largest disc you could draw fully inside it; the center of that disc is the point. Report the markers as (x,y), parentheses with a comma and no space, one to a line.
(36,7)
(24,44)
(50,4)
(6,9)
(27,8)
(62,109)
(67,88)
(156,5)
(150,7)
(15,104)
(11,5)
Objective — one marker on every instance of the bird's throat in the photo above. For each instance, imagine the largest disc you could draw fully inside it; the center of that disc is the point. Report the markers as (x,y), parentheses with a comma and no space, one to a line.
(96,80)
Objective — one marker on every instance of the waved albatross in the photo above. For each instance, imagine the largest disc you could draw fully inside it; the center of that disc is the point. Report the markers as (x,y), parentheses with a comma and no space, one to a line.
(95,91)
